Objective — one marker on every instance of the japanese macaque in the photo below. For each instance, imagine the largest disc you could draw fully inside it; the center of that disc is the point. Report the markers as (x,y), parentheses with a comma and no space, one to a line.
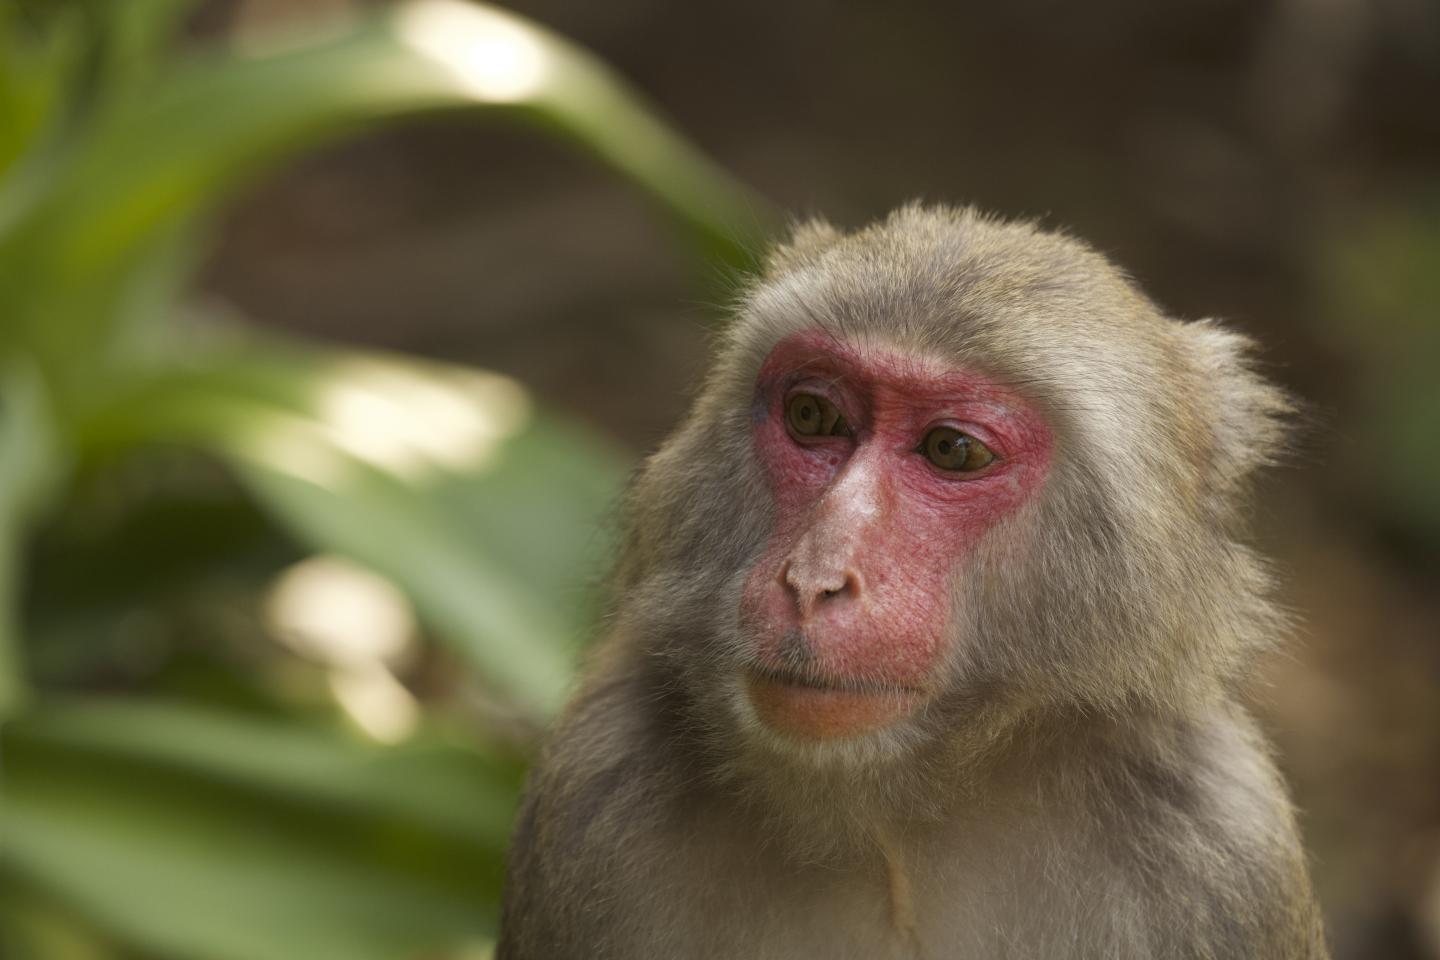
(929,633)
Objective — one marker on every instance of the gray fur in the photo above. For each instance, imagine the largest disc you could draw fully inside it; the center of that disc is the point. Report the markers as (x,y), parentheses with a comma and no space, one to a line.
(1087,787)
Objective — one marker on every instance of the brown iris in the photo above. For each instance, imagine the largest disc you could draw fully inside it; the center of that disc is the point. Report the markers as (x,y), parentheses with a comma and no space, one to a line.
(808,415)
(956,452)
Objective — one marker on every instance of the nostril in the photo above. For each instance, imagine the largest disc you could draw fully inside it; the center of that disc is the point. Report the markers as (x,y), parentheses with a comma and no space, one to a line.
(811,588)
(849,587)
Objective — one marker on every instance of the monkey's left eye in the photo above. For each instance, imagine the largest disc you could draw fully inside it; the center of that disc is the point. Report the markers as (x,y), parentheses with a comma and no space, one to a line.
(809,415)
(957,452)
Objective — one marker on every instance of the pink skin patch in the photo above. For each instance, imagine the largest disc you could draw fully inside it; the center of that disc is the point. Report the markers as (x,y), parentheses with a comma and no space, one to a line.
(847,607)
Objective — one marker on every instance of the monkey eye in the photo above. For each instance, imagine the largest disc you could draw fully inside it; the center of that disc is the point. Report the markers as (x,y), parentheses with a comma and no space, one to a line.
(956,452)
(808,415)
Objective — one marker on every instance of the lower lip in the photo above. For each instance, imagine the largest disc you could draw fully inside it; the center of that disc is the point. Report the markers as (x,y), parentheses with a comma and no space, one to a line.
(814,713)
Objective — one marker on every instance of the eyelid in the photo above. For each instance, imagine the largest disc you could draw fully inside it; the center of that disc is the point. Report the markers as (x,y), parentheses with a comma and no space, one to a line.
(821,388)
(984,434)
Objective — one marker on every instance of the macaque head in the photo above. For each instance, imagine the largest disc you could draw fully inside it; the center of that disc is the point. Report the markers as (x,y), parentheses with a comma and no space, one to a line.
(946,466)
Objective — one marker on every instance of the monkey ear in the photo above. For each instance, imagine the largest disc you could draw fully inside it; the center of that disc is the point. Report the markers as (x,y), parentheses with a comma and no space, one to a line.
(807,239)
(1249,415)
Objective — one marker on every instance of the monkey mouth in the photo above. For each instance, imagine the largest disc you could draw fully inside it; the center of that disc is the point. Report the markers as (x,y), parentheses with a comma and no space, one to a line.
(810,681)
(808,707)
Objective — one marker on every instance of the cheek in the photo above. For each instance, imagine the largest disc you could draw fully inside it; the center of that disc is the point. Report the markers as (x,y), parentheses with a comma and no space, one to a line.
(765,605)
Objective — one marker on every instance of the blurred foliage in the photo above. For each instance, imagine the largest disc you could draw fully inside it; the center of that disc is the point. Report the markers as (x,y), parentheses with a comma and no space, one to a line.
(1381,286)
(177,774)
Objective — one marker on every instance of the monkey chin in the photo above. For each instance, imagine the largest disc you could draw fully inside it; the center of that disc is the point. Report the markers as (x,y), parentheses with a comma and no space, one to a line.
(818,713)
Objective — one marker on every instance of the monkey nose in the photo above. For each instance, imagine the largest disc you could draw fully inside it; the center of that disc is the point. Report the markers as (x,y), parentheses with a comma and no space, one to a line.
(811,588)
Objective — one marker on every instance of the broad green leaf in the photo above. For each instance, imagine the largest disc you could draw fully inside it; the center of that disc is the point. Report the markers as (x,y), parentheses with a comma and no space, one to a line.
(41,68)
(32,926)
(464,792)
(247,857)
(231,887)
(29,467)
(153,162)
(136,33)
(442,479)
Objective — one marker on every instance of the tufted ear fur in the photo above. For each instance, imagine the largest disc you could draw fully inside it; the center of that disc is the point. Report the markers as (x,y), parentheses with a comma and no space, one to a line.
(808,238)
(1249,414)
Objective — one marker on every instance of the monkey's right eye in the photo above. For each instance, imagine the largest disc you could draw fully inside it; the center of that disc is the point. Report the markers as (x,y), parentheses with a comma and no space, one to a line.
(808,415)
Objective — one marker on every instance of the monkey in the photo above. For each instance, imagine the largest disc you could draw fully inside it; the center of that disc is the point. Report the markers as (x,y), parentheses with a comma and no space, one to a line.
(931,632)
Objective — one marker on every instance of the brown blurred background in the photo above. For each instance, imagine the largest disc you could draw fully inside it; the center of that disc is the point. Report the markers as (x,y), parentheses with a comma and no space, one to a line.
(1273,164)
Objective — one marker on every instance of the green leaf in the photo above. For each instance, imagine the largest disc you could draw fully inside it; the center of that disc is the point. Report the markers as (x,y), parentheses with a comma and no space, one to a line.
(29,469)
(468,793)
(441,478)
(40,67)
(136,33)
(34,926)
(226,889)
(155,162)
(116,810)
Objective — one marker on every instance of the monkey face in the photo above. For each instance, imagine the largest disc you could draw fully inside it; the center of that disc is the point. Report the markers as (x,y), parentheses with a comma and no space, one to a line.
(945,469)
(886,470)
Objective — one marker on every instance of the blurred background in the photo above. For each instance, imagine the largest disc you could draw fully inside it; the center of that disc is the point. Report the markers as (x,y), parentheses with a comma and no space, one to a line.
(329,331)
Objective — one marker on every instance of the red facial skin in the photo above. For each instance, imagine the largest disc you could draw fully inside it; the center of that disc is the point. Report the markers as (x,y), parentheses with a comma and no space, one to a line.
(848,605)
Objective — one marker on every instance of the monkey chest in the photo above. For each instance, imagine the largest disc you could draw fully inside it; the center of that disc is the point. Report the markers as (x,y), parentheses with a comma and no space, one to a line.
(704,880)
(723,897)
